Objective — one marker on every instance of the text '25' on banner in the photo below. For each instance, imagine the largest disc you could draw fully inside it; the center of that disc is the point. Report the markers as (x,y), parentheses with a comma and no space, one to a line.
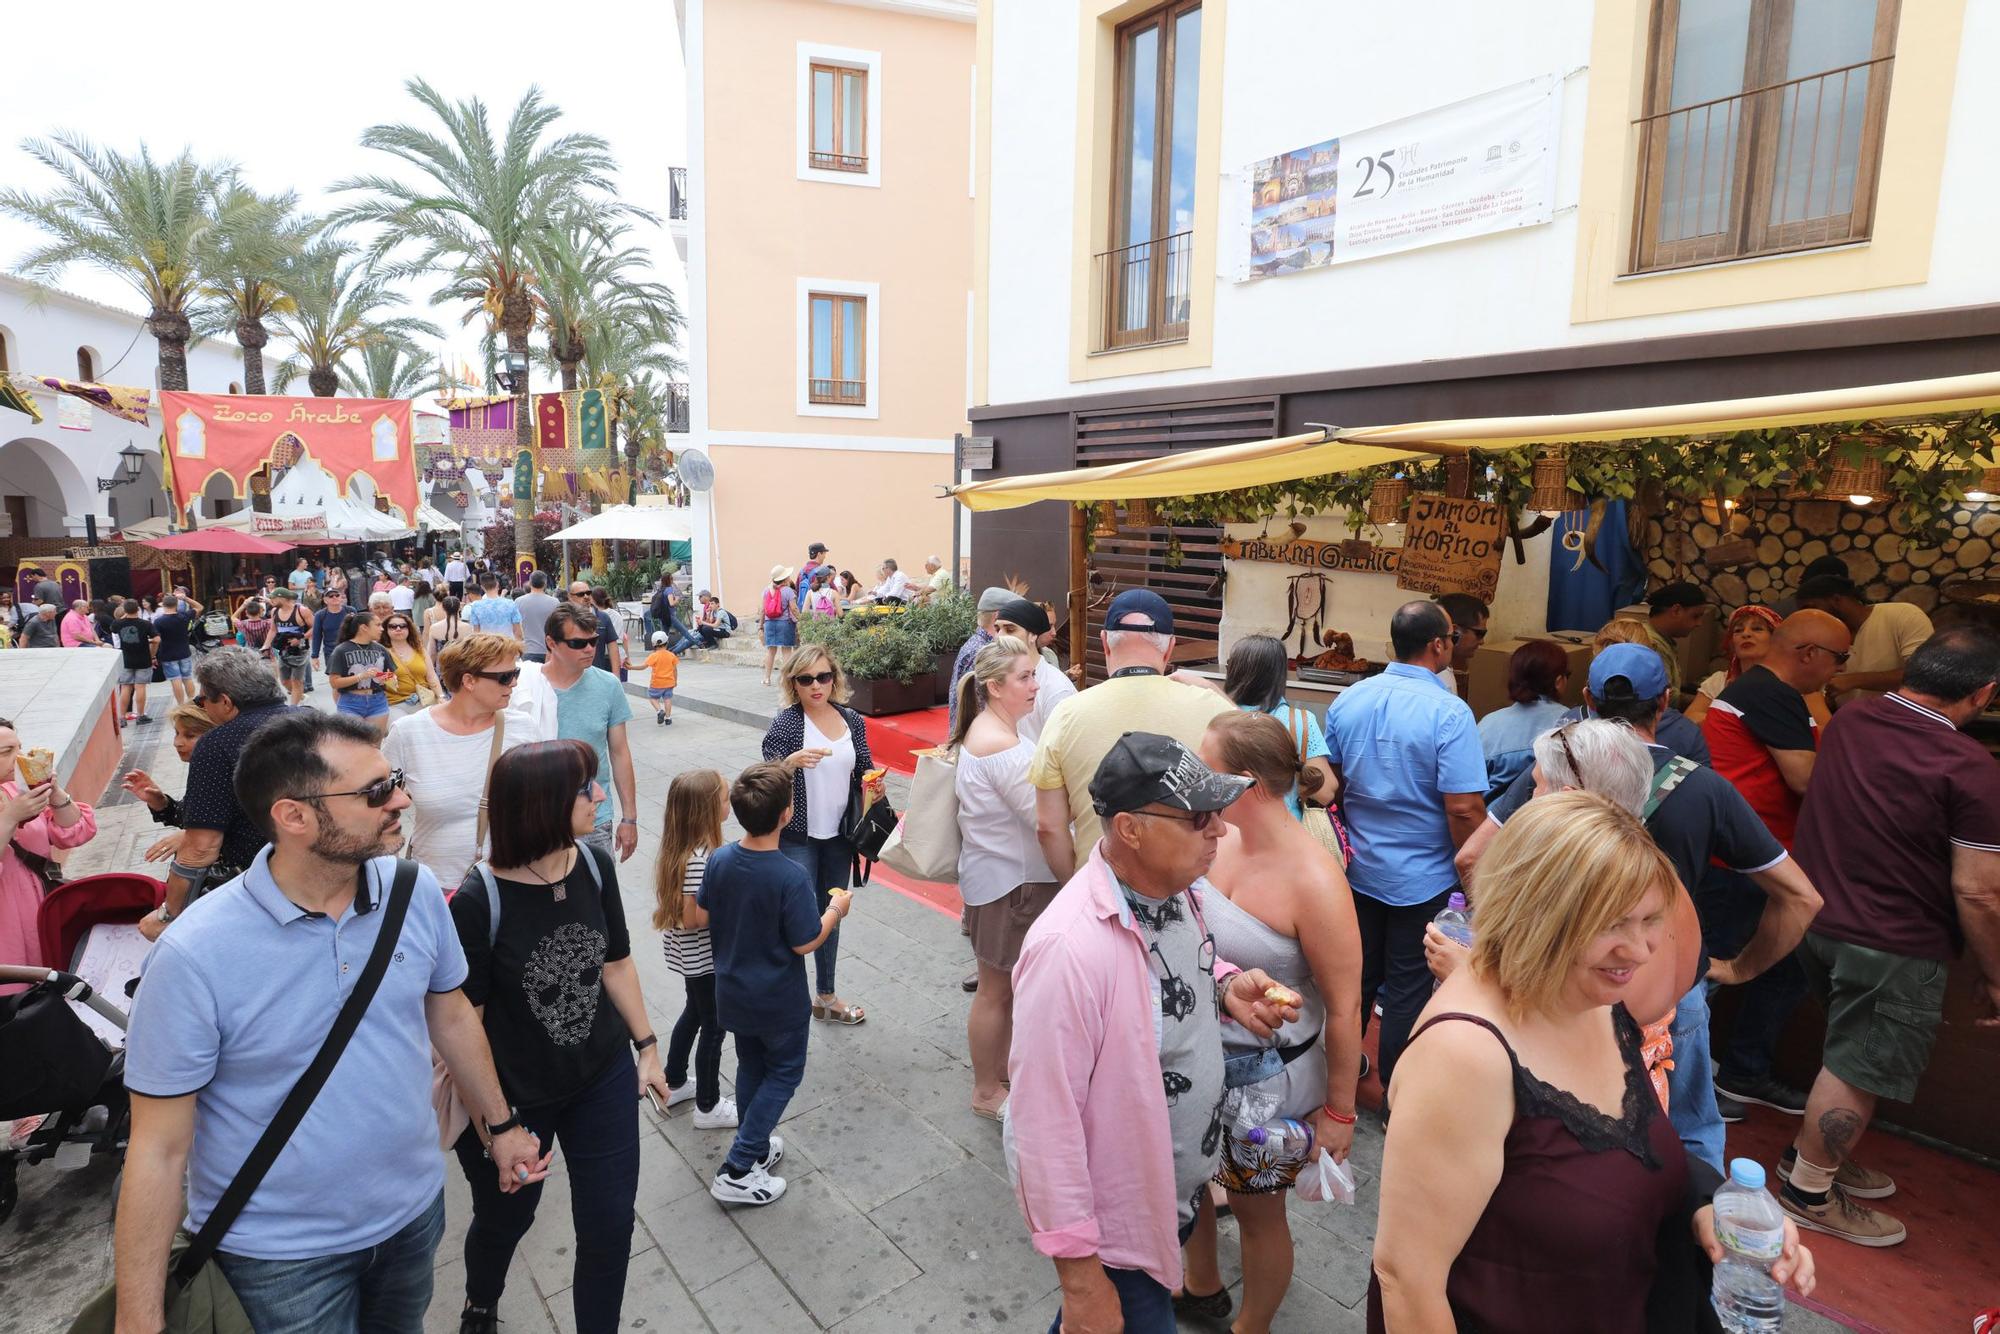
(1486,164)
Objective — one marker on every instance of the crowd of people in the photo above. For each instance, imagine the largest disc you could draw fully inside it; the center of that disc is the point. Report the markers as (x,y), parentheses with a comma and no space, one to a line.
(1196,894)
(818,588)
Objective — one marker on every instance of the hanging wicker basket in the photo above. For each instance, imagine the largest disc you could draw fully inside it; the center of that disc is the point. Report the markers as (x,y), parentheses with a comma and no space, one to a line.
(1868,478)
(1388,501)
(1107,519)
(1983,486)
(1139,513)
(1550,493)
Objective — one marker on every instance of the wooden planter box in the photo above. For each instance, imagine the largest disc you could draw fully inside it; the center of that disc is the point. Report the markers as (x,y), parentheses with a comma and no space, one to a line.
(873,698)
(942,694)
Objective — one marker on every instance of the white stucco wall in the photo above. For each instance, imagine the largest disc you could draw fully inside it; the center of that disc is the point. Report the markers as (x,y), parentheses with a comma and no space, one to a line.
(1298,73)
(58,468)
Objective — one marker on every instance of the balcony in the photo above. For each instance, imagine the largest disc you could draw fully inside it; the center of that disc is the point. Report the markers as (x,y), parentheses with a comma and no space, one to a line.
(1142,290)
(839,393)
(677,409)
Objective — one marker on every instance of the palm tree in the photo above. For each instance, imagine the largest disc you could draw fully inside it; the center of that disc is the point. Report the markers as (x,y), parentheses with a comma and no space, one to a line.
(391,368)
(141,220)
(244,270)
(340,301)
(473,214)
(630,356)
(585,281)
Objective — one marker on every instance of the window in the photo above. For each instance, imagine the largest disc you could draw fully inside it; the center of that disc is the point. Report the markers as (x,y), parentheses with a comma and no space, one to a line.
(1763,130)
(86,365)
(235,388)
(838,373)
(1143,276)
(3,354)
(839,118)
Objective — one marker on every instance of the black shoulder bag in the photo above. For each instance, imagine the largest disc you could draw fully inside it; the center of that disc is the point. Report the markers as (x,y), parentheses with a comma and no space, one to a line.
(198,1297)
(865,832)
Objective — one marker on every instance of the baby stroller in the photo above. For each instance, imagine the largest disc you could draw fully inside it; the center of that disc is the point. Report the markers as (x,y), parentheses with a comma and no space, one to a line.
(52,1063)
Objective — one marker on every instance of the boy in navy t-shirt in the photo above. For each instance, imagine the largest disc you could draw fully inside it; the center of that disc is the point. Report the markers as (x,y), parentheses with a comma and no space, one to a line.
(762,923)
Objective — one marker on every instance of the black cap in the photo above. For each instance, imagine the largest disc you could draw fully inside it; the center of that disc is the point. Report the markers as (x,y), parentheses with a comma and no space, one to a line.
(1025,614)
(1138,602)
(1145,769)
(816,549)
(1676,595)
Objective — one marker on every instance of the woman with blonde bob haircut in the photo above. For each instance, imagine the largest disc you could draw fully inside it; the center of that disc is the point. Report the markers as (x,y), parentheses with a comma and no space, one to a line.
(1529,1168)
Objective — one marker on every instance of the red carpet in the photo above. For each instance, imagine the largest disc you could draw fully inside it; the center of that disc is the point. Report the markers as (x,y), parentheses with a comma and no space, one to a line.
(895,739)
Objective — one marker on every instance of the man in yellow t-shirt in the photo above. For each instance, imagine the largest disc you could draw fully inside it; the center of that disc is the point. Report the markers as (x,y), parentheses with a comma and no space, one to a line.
(1885,635)
(1137,697)
(665,666)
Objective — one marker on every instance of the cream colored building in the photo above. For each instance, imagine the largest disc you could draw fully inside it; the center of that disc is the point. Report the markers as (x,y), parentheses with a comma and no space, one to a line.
(827,233)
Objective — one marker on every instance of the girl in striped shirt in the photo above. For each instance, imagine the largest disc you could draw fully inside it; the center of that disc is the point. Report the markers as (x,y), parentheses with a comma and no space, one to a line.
(697,804)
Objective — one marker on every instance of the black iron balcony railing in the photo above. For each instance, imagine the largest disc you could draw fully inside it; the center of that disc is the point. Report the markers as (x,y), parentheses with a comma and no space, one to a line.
(1142,292)
(677,194)
(677,408)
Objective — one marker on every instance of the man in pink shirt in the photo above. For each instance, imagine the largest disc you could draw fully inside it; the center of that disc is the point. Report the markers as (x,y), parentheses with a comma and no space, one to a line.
(1115,1117)
(77,627)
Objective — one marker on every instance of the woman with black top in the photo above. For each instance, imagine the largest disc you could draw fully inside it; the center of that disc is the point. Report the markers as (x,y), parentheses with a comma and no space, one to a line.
(555,984)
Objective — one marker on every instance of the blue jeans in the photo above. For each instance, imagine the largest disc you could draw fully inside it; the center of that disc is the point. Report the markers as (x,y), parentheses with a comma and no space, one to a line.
(384,1289)
(769,1067)
(1730,905)
(1143,1300)
(830,863)
(1690,1085)
(598,1132)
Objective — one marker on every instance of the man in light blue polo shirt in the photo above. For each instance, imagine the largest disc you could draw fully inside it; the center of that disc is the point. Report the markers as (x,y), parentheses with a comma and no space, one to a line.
(236,999)
(1412,779)
(493,613)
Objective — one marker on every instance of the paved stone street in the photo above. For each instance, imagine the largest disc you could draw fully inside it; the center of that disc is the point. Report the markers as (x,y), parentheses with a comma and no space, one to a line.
(898,1216)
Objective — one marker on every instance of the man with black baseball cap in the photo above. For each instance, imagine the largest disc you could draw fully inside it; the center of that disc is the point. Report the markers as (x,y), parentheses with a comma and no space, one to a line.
(1029,623)
(1119,983)
(1079,732)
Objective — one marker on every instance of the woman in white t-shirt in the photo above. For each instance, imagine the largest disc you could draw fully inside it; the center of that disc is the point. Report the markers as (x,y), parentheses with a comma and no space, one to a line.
(1001,874)
(447,750)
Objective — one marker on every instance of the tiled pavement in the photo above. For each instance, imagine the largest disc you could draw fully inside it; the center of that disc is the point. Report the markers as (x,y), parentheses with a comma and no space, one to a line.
(898,1216)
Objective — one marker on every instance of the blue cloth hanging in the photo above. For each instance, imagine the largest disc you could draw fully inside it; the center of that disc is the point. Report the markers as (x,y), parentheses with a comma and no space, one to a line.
(1582,596)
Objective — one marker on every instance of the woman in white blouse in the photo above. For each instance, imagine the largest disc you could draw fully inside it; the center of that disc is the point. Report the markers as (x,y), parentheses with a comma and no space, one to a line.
(445,752)
(1001,874)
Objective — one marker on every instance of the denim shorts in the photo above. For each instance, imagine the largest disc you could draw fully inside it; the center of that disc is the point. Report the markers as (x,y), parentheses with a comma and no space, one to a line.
(179,670)
(135,676)
(363,703)
(659,692)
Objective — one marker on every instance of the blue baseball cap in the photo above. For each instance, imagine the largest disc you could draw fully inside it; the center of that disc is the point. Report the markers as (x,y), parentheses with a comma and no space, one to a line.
(1638,665)
(1140,602)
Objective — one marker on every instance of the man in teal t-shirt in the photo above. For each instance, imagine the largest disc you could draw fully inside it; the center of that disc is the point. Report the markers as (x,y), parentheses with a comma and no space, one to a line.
(591,707)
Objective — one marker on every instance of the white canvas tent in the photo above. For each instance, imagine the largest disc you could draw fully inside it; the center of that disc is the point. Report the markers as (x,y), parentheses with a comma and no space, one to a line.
(631,523)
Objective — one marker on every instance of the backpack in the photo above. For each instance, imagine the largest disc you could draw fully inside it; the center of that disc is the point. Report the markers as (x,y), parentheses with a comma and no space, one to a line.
(726,619)
(774,603)
(491,889)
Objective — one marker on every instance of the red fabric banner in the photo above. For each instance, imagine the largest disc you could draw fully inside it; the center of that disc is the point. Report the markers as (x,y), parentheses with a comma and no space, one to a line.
(236,434)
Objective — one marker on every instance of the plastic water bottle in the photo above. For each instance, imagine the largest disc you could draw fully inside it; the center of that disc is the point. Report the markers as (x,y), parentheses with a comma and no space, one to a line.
(1456,920)
(1751,1228)
(1283,1141)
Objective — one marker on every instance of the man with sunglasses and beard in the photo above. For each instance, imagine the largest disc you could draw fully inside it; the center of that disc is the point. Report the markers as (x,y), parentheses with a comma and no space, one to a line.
(446,753)
(343,1229)
(1764,741)
(236,689)
(568,697)
(1119,983)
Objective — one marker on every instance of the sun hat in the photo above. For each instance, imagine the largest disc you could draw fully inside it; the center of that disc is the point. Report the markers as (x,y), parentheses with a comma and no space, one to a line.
(780,573)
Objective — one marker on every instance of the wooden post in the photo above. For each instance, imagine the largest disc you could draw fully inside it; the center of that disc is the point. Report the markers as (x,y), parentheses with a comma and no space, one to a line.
(1079,576)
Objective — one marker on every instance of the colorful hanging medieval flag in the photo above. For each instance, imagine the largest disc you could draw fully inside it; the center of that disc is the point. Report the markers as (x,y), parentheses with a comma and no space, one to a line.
(12,397)
(117,399)
(573,429)
(235,435)
(482,428)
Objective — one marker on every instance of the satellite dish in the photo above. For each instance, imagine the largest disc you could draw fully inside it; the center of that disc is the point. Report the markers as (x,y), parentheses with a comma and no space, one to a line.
(697,473)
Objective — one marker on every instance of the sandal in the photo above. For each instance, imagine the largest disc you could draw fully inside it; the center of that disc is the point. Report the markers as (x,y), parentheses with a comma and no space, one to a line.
(839,1012)
(994,1113)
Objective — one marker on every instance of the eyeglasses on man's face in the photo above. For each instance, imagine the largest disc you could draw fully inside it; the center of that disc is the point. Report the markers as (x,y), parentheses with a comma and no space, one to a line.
(1839,659)
(587,641)
(1198,820)
(376,794)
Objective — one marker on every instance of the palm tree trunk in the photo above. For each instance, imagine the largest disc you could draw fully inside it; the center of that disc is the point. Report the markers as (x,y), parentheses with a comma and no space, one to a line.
(569,373)
(251,337)
(324,381)
(171,329)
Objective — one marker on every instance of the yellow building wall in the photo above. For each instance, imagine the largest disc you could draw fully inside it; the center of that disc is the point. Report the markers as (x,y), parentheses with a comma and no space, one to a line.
(771,503)
(765,229)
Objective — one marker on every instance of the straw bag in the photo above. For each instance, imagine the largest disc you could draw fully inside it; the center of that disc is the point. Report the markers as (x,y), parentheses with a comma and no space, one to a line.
(925,845)
(1318,820)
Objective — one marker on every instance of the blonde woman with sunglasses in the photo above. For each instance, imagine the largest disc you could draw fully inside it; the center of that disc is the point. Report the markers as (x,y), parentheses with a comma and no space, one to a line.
(412,666)
(447,750)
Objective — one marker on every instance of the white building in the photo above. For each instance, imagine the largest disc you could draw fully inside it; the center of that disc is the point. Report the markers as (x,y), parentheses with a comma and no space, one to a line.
(49,471)
(1734,205)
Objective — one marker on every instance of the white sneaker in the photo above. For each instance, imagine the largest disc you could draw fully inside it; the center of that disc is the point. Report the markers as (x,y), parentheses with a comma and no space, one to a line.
(754,1187)
(721,1117)
(677,1096)
(776,1153)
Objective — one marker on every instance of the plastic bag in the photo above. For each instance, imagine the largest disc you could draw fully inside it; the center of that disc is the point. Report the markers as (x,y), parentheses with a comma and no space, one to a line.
(1323,1181)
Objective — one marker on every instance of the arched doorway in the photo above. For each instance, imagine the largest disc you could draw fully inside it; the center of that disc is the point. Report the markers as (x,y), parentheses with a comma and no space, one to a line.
(219,497)
(40,487)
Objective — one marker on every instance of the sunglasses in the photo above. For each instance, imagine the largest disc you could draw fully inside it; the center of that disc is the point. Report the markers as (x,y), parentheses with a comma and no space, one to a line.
(813,679)
(376,794)
(1569,756)
(586,642)
(1199,819)
(505,678)
(1839,659)
(588,792)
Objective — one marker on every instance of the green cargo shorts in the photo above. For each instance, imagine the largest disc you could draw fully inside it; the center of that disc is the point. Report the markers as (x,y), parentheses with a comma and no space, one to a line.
(1882,1013)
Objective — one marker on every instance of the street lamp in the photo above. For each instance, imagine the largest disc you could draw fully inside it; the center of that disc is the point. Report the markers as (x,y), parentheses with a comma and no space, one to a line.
(131,462)
(514,377)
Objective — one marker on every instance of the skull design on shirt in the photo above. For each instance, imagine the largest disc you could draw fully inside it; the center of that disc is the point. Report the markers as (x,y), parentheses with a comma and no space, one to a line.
(562,979)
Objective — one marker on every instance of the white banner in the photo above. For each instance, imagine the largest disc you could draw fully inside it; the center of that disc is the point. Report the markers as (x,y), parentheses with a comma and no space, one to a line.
(1486,164)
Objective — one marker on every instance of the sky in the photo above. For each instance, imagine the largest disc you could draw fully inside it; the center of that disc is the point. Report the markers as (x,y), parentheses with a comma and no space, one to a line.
(189,77)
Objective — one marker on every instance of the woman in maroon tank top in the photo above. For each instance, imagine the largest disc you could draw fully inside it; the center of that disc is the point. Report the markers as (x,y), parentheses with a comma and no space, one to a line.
(1530,1169)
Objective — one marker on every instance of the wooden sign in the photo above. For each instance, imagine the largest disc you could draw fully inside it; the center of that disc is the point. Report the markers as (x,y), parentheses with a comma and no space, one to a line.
(1361,557)
(1452,546)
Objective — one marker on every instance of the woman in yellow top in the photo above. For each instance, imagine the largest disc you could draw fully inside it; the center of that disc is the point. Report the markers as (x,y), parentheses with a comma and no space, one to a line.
(412,670)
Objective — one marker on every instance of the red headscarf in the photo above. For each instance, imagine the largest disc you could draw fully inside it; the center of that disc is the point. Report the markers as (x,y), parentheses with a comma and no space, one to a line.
(1751,611)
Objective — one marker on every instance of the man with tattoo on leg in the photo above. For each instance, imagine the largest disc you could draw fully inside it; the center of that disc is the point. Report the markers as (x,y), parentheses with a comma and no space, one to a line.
(1901,835)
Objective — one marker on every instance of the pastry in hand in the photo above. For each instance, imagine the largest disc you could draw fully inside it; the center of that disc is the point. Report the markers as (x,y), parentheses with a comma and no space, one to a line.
(1278,995)
(37,765)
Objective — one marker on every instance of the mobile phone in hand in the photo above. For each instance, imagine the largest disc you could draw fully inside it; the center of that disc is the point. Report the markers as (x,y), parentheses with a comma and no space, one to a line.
(659,1103)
